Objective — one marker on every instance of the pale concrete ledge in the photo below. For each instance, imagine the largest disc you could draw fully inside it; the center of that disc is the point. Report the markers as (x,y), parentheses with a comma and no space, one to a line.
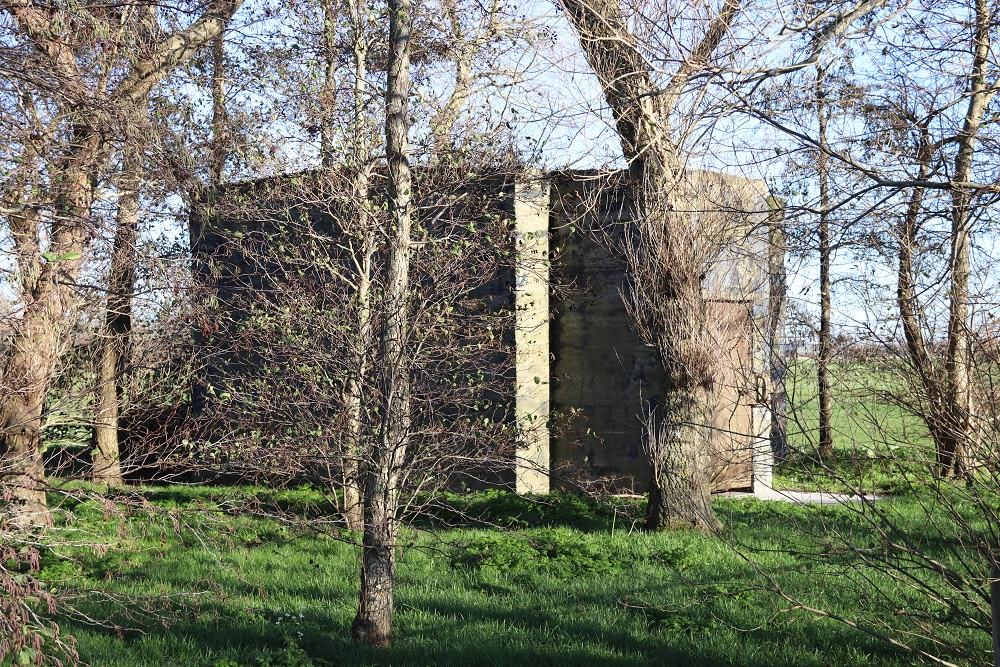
(802,497)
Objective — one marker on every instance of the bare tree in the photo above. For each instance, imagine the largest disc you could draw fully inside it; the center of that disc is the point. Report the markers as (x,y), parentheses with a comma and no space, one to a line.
(115,347)
(670,251)
(777,302)
(825,314)
(381,465)
(363,251)
(915,152)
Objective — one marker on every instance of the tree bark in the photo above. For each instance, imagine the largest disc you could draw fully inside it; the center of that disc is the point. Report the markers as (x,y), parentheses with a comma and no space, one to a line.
(668,252)
(328,93)
(777,294)
(932,382)
(219,136)
(442,124)
(353,511)
(373,623)
(38,339)
(957,365)
(116,344)
(353,403)
(825,296)
(680,493)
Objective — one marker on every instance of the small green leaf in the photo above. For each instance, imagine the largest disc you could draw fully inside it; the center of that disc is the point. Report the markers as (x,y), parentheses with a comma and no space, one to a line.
(55,257)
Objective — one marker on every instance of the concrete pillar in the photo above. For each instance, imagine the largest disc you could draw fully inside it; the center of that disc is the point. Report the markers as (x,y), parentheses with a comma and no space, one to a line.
(770,425)
(763,456)
(531,335)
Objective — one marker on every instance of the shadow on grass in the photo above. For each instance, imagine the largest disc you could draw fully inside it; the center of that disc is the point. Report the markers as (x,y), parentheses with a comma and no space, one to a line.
(438,631)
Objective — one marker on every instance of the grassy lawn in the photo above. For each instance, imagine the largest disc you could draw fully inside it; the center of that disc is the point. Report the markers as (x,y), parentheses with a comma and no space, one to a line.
(878,445)
(566,582)
(203,576)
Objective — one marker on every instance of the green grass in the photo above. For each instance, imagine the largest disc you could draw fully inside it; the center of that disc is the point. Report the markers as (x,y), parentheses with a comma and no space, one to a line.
(569,582)
(495,579)
(878,446)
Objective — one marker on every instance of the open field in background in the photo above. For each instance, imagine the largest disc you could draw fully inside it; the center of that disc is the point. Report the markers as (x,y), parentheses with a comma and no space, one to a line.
(566,583)
(878,446)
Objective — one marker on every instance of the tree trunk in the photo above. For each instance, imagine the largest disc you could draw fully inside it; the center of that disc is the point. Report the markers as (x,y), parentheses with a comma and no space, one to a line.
(218,157)
(825,332)
(38,338)
(777,289)
(23,465)
(442,124)
(995,608)
(667,250)
(34,351)
(329,90)
(679,449)
(353,402)
(373,623)
(114,356)
(680,494)
(353,512)
(670,305)
(957,366)
(933,384)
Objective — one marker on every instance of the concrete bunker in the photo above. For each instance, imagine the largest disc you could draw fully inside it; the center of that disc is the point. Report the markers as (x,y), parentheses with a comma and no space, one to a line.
(582,379)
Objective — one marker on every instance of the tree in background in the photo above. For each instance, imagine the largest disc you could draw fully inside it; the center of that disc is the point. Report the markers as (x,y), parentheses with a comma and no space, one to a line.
(825,286)
(915,151)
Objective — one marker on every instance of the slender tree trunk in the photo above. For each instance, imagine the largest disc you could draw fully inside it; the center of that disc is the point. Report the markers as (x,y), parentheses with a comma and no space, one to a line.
(353,401)
(932,383)
(373,623)
(958,362)
(329,90)
(116,340)
(825,328)
(777,289)
(443,122)
(219,136)
(952,457)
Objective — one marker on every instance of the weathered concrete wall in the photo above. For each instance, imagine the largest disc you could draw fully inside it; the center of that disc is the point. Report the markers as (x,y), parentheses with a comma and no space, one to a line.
(603,375)
(582,380)
(605,379)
